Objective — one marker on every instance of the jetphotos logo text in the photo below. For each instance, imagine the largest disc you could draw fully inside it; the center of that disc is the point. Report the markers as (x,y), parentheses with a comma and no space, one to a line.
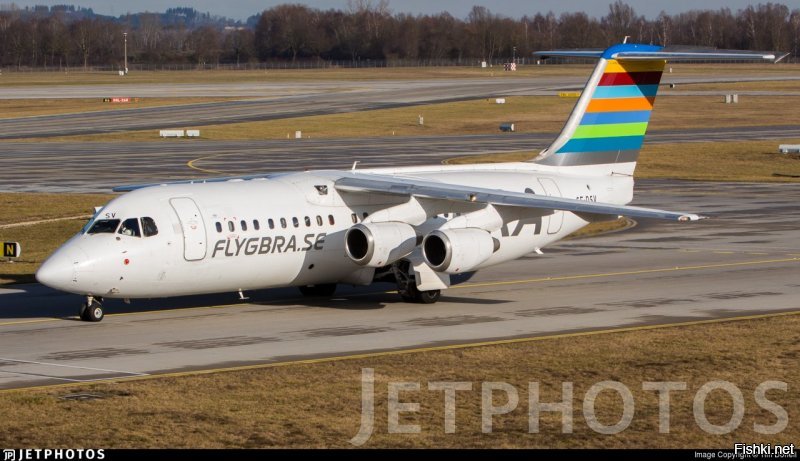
(401,403)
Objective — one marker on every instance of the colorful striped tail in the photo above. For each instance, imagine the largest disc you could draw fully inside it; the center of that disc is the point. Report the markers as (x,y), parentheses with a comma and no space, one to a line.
(608,123)
(610,119)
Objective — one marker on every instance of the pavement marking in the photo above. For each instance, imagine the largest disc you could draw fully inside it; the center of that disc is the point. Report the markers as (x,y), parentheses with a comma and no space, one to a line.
(61,378)
(190,164)
(461,286)
(71,380)
(22,322)
(42,221)
(638,272)
(410,351)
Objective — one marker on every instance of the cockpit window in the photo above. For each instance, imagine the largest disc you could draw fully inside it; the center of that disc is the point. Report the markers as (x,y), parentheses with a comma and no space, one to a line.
(149,228)
(130,227)
(104,226)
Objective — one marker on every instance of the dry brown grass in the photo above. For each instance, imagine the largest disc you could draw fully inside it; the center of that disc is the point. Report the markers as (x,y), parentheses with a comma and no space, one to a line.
(39,240)
(531,114)
(706,161)
(602,227)
(24,207)
(733,87)
(78,77)
(720,161)
(318,405)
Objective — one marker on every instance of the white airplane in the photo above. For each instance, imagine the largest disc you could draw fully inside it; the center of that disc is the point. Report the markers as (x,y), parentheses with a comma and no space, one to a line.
(422,228)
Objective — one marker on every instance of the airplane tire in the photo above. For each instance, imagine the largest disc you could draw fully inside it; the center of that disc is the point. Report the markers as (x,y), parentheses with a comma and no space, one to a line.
(92,313)
(322,290)
(413,295)
(427,297)
(84,312)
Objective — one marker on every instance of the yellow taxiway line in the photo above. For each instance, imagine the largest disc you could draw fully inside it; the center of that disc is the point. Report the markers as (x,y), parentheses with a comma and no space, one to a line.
(463,286)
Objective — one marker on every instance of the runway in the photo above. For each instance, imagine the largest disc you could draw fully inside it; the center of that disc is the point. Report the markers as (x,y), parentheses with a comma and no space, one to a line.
(97,167)
(744,261)
(285,100)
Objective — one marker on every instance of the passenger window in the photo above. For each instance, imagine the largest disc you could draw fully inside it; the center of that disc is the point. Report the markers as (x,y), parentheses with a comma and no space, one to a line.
(271,223)
(130,227)
(149,228)
(365,215)
(231,226)
(244,225)
(354,217)
(295,222)
(319,220)
(219,227)
(331,220)
(256,225)
(104,226)
(283,223)
(308,221)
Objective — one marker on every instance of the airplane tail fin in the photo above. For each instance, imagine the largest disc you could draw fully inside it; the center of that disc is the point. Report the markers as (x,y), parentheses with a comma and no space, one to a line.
(609,121)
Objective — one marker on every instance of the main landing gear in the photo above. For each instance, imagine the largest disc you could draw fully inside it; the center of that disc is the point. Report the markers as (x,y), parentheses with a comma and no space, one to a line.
(92,309)
(407,286)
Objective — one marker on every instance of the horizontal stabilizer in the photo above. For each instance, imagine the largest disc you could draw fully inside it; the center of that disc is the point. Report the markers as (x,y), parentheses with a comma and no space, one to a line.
(638,52)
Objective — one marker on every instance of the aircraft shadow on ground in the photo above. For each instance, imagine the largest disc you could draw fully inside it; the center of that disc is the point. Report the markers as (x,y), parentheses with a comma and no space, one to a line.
(30,301)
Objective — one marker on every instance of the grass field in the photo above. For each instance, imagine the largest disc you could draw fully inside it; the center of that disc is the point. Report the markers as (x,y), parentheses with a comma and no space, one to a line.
(701,161)
(318,404)
(79,77)
(40,239)
(530,114)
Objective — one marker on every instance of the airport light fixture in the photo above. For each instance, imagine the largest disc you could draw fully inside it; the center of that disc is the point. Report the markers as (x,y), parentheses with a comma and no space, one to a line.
(125,39)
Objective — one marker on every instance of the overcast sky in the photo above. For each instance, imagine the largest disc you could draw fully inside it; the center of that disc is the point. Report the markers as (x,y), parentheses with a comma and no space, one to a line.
(241,9)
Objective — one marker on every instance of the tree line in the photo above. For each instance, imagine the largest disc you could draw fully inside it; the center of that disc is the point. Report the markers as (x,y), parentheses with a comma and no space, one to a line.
(368,31)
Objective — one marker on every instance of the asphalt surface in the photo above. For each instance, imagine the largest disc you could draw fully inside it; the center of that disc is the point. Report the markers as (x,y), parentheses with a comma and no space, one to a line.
(283,100)
(97,167)
(744,261)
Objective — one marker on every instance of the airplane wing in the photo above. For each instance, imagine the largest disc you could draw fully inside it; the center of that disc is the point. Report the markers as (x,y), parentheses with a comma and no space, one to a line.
(366,183)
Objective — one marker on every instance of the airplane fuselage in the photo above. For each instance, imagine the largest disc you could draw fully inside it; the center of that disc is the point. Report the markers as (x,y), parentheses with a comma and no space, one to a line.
(289,230)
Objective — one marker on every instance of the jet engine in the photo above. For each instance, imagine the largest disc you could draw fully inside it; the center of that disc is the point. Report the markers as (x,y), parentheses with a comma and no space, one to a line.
(458,250)
(379,244)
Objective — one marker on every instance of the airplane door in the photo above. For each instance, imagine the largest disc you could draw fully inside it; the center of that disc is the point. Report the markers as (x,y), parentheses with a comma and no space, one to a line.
(194,231)
(557,218)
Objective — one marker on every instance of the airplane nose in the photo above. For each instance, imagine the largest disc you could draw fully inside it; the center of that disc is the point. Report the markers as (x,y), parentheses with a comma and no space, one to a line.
(59,270)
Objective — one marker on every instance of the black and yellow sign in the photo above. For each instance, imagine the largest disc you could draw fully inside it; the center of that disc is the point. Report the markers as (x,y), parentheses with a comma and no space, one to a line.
(11,250)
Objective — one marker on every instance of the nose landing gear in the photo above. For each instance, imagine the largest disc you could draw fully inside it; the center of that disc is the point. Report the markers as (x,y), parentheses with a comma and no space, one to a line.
(92,309)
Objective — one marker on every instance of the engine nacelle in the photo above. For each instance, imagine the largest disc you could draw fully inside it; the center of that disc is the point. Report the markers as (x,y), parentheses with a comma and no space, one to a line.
(458,250)
(379,244)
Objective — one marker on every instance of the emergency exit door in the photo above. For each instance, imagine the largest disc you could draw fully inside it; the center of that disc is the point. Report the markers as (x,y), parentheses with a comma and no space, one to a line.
(194,230)
(557,218)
